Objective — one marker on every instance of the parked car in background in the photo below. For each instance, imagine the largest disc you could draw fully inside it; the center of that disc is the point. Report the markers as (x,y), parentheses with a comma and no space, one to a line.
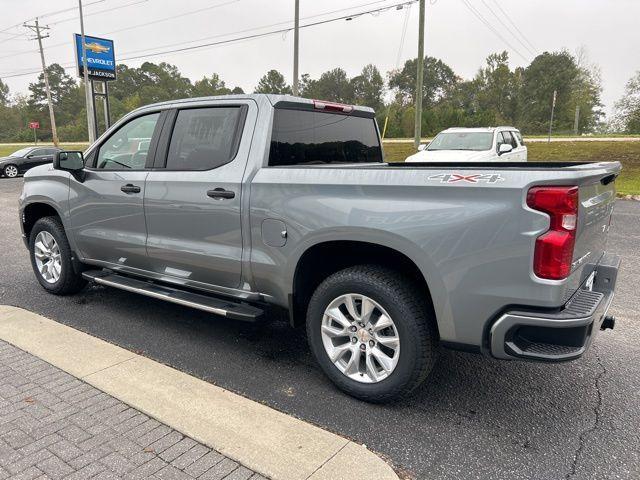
(22,160)
(495,144)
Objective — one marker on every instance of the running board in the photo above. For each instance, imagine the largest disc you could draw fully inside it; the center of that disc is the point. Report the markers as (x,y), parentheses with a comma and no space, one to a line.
(207,303)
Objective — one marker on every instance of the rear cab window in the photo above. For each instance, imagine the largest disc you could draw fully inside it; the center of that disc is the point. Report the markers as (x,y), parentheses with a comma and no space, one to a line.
(310,137)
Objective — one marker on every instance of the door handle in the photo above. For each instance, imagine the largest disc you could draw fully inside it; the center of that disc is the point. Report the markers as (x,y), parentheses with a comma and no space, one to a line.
(220,193)
(130,188)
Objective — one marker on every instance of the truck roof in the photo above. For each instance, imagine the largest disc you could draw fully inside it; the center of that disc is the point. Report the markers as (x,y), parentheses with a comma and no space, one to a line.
(480,129)
(271,98)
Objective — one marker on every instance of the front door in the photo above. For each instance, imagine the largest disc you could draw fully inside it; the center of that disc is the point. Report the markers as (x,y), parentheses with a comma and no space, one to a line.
(193,196)
(106,206)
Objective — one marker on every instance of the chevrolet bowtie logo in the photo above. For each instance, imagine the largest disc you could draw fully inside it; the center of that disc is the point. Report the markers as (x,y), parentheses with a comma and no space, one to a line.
(96,47)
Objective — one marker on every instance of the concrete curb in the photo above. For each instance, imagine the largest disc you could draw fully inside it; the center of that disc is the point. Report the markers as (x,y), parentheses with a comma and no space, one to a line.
(270,442)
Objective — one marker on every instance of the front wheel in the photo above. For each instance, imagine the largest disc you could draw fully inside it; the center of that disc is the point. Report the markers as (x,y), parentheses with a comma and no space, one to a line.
(371,332)
(51,258)
(10,171)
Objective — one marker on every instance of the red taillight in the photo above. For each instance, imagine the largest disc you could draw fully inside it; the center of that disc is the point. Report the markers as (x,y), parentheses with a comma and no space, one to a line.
(554,248)
(332,107)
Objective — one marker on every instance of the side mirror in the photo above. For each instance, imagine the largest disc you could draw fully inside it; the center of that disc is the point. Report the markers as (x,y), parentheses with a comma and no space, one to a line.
(68,161)
(31,155)
(504,148)
(422,146)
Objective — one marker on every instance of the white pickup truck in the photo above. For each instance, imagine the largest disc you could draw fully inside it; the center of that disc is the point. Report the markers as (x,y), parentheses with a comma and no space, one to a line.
(495,144)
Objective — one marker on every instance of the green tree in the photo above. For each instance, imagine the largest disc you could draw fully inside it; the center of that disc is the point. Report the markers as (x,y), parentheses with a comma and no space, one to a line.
(333,85)
(368,88)
(273,82)
(628,107)
(496,91)
(62,87)
(208,86)
(574,85)
(4,93)
(439,82)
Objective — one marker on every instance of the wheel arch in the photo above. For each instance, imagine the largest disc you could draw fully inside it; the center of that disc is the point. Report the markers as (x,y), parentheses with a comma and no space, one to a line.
(324,258)
(33,212)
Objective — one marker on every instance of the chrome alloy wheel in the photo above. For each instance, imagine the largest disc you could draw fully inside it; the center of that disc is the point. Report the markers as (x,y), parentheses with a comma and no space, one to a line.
(11,171)
(47,256)
(360,338)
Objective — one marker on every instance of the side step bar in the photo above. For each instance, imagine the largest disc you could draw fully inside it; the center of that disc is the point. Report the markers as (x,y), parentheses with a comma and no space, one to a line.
(218,306)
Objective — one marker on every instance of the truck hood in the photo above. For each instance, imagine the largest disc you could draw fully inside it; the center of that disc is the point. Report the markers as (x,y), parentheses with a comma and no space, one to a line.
(451,156)
(38,171)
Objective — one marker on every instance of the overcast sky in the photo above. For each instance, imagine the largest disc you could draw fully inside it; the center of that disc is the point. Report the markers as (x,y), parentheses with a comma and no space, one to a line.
(607,29)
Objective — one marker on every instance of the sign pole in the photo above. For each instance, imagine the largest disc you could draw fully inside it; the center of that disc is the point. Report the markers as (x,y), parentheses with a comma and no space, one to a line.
(417,136)
(553,107)
(91,127)
(35,136)
(107,110)
(93,109)
(296,35)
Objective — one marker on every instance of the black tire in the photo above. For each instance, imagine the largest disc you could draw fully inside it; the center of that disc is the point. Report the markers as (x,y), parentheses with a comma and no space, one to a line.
(69,282)
(5,171)
(405,303)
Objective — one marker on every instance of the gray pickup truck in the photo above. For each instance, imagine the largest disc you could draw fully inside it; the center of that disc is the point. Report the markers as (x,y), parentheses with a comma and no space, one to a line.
(239,205)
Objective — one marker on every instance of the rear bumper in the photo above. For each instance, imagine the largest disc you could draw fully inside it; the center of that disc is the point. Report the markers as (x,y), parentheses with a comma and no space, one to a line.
(562,335)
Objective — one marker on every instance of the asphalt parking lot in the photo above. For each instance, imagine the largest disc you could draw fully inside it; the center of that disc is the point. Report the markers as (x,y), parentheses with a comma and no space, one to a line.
(475,418)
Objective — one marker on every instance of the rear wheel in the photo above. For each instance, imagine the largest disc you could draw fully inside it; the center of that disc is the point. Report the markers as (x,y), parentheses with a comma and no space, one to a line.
(10,171)
(371,332)
(51,258)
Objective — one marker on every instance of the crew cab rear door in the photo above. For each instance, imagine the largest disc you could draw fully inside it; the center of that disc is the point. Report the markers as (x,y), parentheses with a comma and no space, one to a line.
(193,195)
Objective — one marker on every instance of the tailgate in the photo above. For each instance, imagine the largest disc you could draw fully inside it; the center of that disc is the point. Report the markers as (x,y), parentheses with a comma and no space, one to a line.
(596,200)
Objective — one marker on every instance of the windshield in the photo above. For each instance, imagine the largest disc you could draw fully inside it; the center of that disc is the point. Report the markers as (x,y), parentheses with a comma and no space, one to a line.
(22,152)
(476,141)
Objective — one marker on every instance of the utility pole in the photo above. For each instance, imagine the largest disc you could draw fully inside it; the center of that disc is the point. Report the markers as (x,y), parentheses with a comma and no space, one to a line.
(553,107)
(91,127)
(576,121)
(419,77)
(36,28)
(296,35)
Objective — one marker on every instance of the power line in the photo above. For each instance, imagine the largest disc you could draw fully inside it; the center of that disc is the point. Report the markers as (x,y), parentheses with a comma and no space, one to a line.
(49,14)
(23,52)
(239,39)
(118,7)
(273,32)
(479,16)
(405,24)
(192,12)
(210,37)
(513,34)
(506,15)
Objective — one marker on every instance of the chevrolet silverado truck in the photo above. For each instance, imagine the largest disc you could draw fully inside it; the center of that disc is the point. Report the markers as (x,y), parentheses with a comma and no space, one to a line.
(255,205)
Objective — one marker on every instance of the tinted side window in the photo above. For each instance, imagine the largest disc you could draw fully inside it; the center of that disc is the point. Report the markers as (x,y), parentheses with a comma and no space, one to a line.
(38,153)
(508,138)
(303,137)
(204,138)
(127,148)
(518,135)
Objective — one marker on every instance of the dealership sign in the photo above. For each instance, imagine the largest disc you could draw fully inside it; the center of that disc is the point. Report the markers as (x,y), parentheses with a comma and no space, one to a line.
(101,59)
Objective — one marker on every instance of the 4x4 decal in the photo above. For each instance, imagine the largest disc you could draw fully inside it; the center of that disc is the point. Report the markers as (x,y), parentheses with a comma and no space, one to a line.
(474,178)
